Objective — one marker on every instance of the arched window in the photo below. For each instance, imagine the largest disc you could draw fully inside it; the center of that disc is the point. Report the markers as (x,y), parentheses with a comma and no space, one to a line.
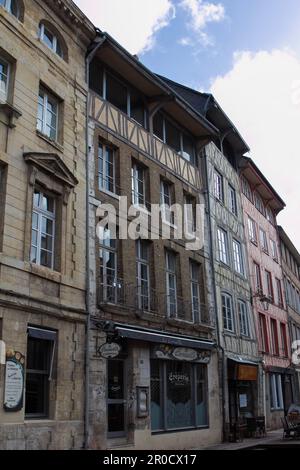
(49,35)
(14,7)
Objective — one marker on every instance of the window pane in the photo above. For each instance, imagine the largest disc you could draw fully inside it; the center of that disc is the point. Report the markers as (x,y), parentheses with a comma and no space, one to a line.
(33,255)
(201,405)
(116,93)
(36,394)
(96,77)
(137,108)
(115,371)
(48,38)
(47,226)
(14,9)
(156,397)
(3,78)
(179,395)
(48,203)
(46,259)
(188,149)
(172,136)
(158,125)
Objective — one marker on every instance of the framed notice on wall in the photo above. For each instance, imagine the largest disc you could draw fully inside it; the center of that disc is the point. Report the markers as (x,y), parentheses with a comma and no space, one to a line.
(14,381)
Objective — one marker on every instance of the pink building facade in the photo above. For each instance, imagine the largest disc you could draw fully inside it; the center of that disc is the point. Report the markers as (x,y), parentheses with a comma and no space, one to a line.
(261,205)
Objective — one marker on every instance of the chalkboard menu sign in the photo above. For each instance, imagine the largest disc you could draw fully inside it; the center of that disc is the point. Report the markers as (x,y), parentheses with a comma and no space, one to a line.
(14,381)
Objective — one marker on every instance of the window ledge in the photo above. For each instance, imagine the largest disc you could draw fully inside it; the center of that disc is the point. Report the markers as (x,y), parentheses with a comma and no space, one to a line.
(109,193)
(12,113)
(45,272)
(49,141)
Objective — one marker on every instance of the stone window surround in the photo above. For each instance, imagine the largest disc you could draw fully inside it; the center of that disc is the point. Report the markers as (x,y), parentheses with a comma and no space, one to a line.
(49,172)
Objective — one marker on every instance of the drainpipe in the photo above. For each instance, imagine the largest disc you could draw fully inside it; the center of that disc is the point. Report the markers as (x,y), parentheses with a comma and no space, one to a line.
(220,348)
(96,44)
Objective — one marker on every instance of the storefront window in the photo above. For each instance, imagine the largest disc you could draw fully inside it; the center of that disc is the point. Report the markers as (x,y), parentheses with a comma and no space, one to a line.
(178,395)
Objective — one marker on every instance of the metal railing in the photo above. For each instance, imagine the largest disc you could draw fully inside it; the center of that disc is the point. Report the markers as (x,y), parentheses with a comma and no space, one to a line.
(144,299)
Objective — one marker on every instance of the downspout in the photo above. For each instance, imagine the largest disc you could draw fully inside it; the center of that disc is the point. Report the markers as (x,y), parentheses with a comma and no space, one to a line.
(97,43)
(220,348)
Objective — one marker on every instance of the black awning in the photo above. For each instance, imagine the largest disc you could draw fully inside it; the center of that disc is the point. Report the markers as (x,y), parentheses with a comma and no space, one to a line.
(40,333)
(164,338)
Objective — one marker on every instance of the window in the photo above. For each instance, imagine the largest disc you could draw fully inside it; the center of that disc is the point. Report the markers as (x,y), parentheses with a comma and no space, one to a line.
(111,287)
(274,251)
(116,93)
(138,181)
(39,371)
(4,79)
(43,229)
(279,293)
(263,333)
(232,200)
(106,168)
(195,290)
(218,186)
(274,337)
(238,257)
(246,188)
(47,119)
(252,231)
(190,214)
(137,108)
(171,283)
(178,395)
(257,279)
(263,241)
(276,392)
(270,215)
(13,7)
(270,292)
(243,318)
(143,274)
(116,398)
(223,253)
(258,202)
(169,133)
(284,344)
(166,201)
(50,39)
(227,311)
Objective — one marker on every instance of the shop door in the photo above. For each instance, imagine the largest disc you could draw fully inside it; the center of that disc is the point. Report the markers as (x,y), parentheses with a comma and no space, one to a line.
(116,401)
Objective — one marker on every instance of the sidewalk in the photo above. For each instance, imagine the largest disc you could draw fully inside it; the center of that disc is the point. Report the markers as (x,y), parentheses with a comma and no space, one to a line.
(273,437)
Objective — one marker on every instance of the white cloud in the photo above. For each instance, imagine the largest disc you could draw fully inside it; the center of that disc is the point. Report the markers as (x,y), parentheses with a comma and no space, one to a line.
(133,23)
(200,14)
(261,94)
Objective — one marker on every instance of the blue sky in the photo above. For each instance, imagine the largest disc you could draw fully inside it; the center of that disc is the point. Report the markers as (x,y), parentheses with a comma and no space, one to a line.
(248,25)
(246,52)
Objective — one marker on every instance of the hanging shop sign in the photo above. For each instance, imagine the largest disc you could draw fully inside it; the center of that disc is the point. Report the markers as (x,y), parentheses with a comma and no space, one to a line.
(166,351)
(109,350)
(14,381)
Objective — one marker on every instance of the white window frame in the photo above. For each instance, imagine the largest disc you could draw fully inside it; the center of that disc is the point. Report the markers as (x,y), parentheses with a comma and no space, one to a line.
(4,95)
(135,180)
(115,285)
(171,274)
(228,314)
(223,247)
(238,259)
(232,200)
(166,202)
(243,313)
(190,215)
(274,250)
(7,6)
(46,97)
(103,179)
(140,261)
(40,213)
(55,42)
(263,240)
(196,311)
(252,230)
(218,186)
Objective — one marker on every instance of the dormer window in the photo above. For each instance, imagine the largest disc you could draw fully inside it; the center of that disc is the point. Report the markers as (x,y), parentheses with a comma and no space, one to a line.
(51,40)
(13,7)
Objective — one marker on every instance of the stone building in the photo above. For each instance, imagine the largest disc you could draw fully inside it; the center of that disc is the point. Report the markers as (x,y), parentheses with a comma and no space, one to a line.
(153,365)
(42,223)
(240,369)
(261,205)
(290,262)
